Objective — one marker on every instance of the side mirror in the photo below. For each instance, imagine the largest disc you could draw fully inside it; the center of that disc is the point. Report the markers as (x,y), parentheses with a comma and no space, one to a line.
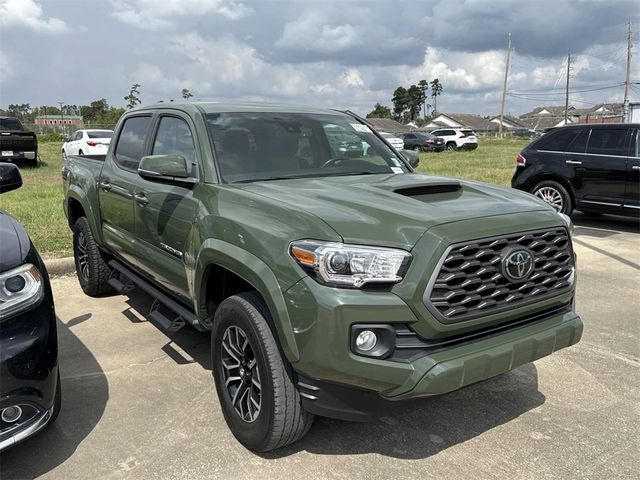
(10,177)
(412,157)
(67,138)
(171,169)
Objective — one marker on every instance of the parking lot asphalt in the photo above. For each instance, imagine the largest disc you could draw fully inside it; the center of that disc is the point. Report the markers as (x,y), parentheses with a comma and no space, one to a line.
(140,404)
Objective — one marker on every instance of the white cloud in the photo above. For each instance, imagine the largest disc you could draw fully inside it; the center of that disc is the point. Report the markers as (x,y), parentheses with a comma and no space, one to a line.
(28,13)
(312,32)
(6,69)
(159,14)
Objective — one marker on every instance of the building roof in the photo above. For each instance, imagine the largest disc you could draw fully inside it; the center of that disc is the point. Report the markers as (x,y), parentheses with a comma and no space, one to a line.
(544,122)
(544,110)
(388,125)
(509,119)
(466,120)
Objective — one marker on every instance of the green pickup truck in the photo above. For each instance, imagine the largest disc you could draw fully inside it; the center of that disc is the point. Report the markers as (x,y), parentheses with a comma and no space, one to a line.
(334,281)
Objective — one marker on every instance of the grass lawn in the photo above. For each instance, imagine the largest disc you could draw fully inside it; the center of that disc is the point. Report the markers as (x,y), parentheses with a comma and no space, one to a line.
(38,204)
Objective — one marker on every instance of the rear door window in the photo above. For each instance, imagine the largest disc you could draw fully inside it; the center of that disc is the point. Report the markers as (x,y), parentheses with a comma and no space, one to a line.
(131,142)
(579,143)
(557,141)
(608,141)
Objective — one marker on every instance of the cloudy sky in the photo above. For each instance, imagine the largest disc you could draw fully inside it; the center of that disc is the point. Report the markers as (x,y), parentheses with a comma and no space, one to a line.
(348,54)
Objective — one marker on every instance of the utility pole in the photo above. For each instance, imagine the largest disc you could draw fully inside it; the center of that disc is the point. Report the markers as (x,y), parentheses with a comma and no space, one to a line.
(625,102)
(62,117)
(566,96)
(504,87)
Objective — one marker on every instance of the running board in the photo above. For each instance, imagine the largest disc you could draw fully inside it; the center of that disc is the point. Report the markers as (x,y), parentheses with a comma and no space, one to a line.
(132,280)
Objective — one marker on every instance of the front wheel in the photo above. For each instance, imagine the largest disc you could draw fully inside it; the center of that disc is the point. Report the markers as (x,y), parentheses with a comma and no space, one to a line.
(255,385)
(93,271)
(555,195)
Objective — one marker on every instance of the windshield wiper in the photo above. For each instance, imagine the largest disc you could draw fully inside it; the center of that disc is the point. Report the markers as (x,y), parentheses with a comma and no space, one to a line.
(364,172)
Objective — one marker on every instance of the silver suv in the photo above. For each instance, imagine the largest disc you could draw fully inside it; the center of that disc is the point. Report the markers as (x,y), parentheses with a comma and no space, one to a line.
(458,138)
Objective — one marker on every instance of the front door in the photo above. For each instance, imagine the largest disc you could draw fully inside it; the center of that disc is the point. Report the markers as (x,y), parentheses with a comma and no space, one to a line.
(165,213)
(117,184)
(600,173)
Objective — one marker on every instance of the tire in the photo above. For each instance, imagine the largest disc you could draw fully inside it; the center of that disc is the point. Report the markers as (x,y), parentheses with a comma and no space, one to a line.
(451,146)
(243,347)
(93,271)
(417,149)
(80,152)
(555,194)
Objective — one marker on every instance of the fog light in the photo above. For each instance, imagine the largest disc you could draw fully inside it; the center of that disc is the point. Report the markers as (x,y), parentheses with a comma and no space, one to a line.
(11,414)
(366,340)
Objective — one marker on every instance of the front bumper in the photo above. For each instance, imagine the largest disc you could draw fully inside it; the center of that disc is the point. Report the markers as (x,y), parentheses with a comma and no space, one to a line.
(28,368)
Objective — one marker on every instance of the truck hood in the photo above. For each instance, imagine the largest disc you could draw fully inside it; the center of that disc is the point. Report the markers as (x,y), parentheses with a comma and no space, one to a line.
(393,210)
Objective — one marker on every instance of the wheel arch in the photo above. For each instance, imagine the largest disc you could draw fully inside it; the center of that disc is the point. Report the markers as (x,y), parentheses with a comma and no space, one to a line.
(238,269)
(556,178)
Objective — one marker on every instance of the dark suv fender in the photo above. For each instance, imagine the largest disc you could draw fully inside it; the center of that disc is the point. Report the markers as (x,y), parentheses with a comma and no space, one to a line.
(255,272)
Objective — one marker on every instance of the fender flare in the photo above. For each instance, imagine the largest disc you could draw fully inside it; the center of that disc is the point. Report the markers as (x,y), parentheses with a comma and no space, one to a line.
(75,193)
(255,272)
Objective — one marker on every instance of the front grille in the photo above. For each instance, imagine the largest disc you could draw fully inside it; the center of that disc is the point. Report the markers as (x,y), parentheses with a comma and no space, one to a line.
(470,283)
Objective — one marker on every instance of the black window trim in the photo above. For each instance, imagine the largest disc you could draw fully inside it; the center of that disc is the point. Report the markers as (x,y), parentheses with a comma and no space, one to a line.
(627,145)
(146,145)
(155,125)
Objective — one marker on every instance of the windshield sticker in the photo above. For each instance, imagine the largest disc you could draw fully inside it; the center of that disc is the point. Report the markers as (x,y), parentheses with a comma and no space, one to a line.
(396,170)
(359,127)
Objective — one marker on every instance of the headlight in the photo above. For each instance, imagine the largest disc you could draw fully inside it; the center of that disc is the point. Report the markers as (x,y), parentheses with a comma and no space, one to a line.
(567,220)
(338,264)
(20,288)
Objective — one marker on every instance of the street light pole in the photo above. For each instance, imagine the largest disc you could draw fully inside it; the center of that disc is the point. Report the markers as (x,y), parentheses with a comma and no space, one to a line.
(62,118)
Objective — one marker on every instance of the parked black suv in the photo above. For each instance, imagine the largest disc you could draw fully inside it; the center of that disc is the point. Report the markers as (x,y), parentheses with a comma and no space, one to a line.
(29,379)
(422,141)
(591,168)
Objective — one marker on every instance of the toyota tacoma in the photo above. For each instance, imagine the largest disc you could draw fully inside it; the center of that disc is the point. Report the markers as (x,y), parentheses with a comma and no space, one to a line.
(332,282)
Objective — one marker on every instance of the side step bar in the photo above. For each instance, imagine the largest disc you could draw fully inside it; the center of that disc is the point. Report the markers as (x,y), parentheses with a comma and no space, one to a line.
(132,280)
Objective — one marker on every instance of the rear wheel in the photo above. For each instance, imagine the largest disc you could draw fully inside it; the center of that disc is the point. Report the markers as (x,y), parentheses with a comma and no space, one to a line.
(255,384)
(555,195)
(417,149)
(451,146)
(93,271)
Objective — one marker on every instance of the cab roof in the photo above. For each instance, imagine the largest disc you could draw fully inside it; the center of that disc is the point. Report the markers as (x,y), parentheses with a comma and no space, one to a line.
(237,107)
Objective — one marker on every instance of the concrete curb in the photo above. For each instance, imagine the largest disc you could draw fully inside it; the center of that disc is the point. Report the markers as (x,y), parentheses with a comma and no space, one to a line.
(60,266)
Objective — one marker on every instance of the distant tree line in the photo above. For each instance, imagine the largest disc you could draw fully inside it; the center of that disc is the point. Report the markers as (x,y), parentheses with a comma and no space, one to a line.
(409,102)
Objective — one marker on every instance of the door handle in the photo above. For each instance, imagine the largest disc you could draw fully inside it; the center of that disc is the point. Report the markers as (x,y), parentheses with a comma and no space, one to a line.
(635,167)
(106,186)
(141,199)
(573,162)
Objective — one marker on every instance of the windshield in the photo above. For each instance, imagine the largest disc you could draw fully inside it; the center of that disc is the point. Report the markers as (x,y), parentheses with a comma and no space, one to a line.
(10,124)
(266,146)
(100,134)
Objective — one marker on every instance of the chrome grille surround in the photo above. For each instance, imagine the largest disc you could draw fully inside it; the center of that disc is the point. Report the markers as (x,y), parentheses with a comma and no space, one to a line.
(468,281)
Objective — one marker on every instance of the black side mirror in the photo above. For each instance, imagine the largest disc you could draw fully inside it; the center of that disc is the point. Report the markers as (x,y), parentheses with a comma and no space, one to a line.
(10,177)
(412,157)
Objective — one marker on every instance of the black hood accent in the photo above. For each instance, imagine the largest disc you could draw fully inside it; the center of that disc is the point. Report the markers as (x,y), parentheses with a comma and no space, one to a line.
(14,242)
(428,189)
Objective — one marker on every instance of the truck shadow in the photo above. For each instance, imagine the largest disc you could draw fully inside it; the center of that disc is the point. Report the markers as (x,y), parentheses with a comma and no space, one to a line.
(413,430)
(85,392)
(422,428)
(604,225)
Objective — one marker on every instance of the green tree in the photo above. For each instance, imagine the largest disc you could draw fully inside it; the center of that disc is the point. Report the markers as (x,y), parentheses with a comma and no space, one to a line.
(436,89)
(415,99)
(380,111)
(400,98)
(423,85)
(186,94)
(133,98)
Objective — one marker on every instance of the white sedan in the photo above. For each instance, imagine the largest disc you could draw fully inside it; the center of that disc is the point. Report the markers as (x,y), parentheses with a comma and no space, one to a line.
(87,142)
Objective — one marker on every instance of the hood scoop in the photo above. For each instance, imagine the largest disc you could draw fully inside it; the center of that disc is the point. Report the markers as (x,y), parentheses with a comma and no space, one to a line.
(432,188)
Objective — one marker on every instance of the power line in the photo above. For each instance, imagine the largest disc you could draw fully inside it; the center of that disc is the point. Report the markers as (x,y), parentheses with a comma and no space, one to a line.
(542,93)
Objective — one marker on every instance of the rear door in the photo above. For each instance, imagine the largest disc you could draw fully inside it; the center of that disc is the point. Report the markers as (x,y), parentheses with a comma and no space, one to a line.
(117,184)
(632,186)
(164,213)
(601,172)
